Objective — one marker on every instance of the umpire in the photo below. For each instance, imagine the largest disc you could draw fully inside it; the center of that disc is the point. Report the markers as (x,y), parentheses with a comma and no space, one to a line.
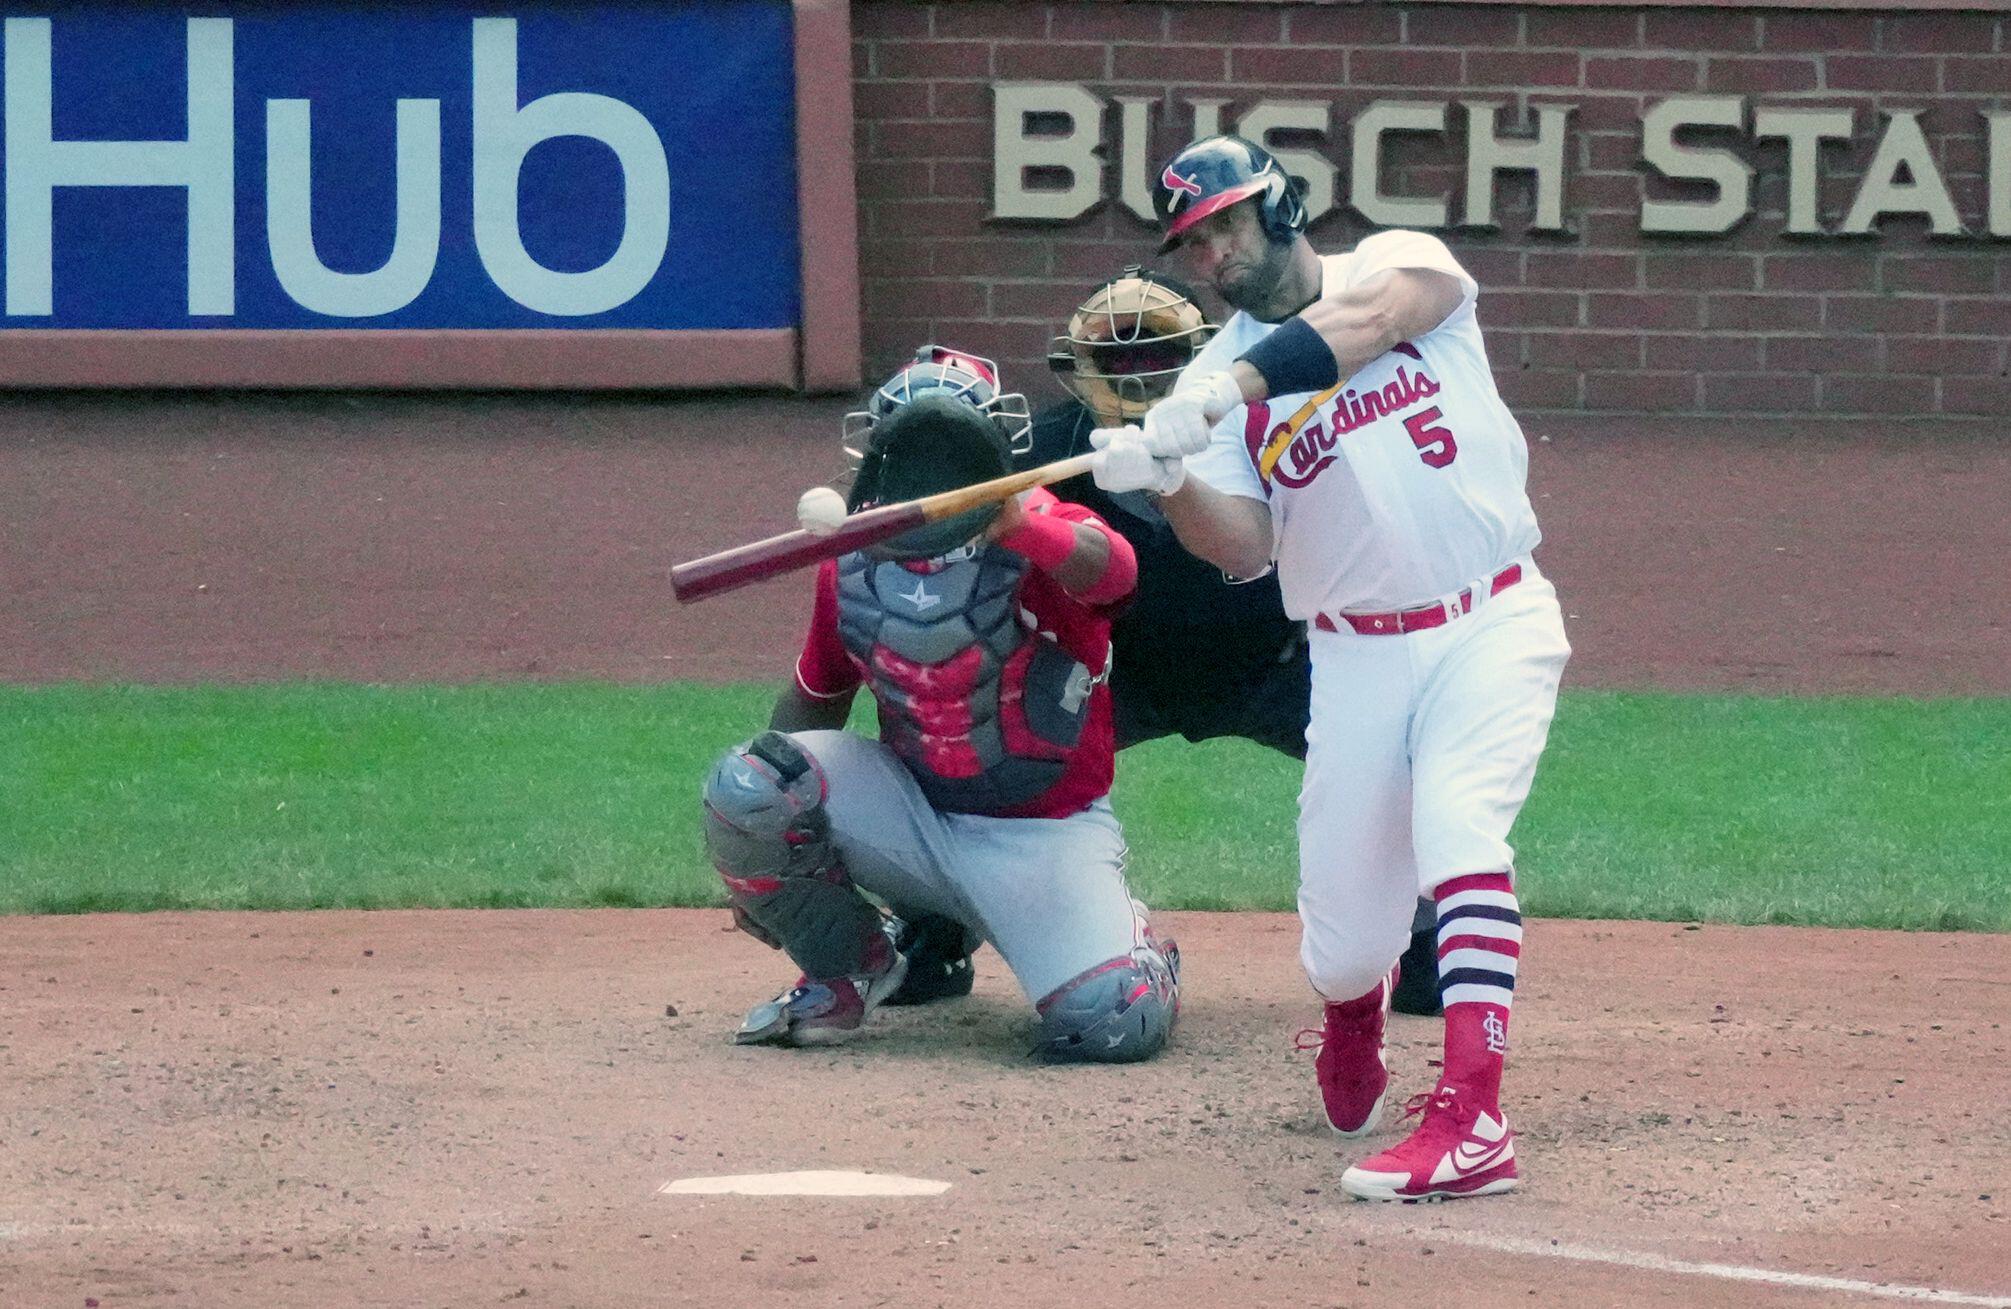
(1198,654)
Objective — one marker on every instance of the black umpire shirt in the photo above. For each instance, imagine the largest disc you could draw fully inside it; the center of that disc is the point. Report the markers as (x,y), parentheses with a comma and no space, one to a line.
(1192,641)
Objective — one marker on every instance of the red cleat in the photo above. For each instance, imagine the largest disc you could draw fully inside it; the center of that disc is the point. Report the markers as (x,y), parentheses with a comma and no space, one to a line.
(1461,1148)
(1352,1069)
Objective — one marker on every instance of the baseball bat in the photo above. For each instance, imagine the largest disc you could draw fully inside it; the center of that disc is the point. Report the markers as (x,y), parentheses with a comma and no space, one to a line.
(742,565)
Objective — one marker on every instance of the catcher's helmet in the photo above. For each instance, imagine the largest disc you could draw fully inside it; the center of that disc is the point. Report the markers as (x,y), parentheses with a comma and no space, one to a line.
(1216,172)
(939,370)
(1126,344)
(933,442)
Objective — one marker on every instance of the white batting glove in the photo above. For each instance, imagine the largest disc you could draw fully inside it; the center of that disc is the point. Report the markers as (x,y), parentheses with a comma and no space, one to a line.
(1184,422)
(1124,462)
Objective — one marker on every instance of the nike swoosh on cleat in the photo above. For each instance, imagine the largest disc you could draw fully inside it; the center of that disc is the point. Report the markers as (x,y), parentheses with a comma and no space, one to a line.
(1472,1161)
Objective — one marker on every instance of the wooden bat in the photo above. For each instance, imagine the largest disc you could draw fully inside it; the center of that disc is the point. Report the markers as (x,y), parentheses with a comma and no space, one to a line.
(742,565)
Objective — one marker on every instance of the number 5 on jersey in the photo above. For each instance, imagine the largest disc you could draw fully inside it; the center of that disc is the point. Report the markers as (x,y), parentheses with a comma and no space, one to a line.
(1434,444)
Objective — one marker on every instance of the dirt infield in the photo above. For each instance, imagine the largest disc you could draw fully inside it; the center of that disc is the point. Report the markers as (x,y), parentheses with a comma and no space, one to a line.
(406,1109)
(204,537)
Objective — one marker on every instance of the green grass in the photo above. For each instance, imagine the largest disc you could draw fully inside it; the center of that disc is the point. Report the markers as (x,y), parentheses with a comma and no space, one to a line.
(1860,812)
(317,796)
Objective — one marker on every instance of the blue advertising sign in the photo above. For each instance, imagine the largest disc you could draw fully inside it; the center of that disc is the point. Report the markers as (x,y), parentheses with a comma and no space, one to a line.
(447,165)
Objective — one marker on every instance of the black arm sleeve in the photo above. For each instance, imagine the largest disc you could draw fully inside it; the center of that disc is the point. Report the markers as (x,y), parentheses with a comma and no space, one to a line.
(1294,359)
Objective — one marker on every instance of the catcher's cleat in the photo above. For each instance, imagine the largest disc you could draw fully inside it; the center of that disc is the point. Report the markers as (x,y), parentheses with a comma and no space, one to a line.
(938,952)
(827,1012)
(1352,1067)
(1461,1149)
(820,1013)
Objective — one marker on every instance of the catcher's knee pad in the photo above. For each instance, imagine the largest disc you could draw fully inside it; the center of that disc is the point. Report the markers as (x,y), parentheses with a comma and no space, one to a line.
(1120,1011)
(770,839)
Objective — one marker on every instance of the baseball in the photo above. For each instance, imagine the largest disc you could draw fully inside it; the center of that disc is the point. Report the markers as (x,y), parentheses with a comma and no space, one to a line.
(820,510)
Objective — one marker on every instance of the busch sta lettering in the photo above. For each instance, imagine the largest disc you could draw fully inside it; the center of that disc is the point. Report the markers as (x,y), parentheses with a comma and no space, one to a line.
(1041,173)
(202,164)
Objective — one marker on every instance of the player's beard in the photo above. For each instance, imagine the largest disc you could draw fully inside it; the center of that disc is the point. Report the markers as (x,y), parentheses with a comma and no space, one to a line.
(1252,286)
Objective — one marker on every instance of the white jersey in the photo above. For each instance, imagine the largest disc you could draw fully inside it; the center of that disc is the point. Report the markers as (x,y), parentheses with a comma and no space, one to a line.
(1401,485)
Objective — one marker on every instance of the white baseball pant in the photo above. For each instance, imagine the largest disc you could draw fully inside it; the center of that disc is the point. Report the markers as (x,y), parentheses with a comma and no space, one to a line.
(1420,753)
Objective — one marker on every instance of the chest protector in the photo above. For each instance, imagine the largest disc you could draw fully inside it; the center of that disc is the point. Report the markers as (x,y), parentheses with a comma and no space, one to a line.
(984,712)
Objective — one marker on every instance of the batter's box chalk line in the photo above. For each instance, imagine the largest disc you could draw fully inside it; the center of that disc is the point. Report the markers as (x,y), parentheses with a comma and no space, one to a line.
(1726,1272)
(819,1182)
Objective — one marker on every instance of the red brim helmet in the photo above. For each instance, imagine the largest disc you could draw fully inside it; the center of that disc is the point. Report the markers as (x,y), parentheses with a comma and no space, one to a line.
(1218,171)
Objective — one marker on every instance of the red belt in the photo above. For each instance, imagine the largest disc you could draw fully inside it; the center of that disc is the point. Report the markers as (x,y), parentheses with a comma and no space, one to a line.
(1436,614)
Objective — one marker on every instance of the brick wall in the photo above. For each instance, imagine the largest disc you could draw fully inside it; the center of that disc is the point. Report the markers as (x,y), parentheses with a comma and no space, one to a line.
(1604,318)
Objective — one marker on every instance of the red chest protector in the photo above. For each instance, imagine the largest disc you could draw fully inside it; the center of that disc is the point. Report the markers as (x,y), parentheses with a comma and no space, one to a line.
(983,711)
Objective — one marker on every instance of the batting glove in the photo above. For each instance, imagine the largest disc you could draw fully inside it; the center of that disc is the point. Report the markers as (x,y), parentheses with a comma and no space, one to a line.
(1125,462)
(1184,422)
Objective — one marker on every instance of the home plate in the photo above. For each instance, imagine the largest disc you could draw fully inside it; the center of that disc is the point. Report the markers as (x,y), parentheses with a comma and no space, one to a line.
(820,1182)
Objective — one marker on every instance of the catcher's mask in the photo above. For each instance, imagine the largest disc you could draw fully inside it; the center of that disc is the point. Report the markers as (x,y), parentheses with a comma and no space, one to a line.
(1126,344)
(931,443)
(938,370)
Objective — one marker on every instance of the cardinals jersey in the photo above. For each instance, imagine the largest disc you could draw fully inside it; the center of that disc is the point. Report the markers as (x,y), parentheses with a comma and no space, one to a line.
(1402,484)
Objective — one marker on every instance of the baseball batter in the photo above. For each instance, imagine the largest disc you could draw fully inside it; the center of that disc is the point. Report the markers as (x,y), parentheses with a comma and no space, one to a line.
(1345,424)
(984,639)
(1197,654)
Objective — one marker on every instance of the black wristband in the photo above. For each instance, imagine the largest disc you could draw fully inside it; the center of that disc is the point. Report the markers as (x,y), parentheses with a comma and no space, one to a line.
(1294,359)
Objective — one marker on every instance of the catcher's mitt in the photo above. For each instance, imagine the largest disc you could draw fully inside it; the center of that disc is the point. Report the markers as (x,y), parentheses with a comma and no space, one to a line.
(932,443)
(1126,344)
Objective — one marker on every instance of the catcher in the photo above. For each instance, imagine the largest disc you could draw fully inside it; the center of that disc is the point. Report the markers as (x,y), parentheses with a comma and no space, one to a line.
(1197,654)
(984,639)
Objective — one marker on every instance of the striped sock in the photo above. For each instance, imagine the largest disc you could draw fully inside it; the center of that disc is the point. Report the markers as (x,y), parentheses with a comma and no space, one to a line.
(1479,946)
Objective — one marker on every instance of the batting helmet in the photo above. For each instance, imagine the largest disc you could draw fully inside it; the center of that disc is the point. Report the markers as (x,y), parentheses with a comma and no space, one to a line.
(933,442)
(1126,344)
(1216,172)
(938,370)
